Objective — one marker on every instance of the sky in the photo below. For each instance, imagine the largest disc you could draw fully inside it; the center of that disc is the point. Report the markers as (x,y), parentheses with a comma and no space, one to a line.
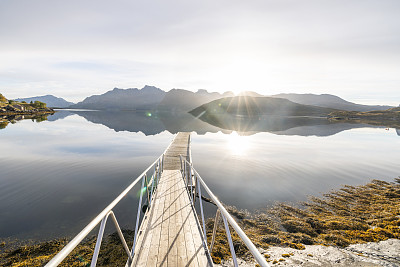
(77,48)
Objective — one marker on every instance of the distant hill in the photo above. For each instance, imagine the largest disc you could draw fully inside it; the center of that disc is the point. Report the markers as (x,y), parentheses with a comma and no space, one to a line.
(328,101)
(250,93)
(183,100)
(50,100)
(124,99)
(387,118)
(258,106)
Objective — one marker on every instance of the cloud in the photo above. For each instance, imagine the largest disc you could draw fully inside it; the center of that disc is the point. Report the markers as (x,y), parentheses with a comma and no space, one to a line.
(77,48)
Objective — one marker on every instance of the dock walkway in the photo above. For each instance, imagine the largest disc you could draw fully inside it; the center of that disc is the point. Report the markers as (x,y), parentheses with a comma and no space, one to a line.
(170,233)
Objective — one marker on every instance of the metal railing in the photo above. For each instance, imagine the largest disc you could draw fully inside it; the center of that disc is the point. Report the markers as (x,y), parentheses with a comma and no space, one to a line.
(194,183)
(149,185)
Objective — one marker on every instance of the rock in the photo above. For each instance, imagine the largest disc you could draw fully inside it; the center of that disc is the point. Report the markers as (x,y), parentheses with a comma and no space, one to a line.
(360,255)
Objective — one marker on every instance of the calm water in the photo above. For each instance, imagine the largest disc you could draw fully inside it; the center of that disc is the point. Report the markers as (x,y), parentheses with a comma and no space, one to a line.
(58,174)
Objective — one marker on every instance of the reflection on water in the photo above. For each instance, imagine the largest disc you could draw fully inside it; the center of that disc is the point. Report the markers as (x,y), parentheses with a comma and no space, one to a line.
(157,122)
(5,120)
(58,174)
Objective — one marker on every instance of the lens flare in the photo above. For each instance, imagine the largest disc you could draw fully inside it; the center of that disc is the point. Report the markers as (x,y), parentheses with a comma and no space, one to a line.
(238,145)
(140,192)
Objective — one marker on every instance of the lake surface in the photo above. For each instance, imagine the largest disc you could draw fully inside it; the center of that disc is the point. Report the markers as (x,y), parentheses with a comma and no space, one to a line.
(57,175)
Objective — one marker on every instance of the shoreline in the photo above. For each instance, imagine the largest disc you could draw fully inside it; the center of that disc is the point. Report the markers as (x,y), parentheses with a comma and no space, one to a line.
(364,218)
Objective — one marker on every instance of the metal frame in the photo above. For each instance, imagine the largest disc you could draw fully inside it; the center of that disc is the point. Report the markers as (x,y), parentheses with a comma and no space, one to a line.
(221,211)
(158,165)
(188,173)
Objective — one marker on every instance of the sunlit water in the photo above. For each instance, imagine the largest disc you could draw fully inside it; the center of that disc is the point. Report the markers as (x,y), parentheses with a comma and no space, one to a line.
(57,175)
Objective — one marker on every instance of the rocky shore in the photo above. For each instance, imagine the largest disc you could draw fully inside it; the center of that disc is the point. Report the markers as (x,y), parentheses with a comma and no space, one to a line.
(384,253)
(353,226)
(23,109)
(387,118)
(12,111)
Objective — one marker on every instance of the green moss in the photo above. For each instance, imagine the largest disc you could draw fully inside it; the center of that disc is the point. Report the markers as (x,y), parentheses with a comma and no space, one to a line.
(353,214)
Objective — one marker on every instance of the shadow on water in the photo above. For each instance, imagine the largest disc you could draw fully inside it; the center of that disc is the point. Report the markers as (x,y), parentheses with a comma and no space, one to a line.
(152,123)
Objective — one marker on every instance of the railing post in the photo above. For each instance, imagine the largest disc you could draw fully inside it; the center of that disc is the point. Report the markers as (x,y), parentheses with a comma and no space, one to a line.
(121,236)
(214,230)
(184,173)
(98,242)
(138,217)
(100,218)
(152,186)
(191,183)
(231,247)
(147,187)
(181,161)
(196,190)
(202,212)
(100,238)
(158,171)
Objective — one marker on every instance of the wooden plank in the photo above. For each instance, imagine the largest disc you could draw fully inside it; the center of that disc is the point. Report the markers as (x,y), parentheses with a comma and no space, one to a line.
(173,227)
(170,235)
(190,243)
(181,242)
(164,224)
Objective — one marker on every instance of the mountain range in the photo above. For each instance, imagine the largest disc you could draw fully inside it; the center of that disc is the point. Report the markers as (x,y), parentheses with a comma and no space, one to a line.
(149,98)
(180,100)
(248,106)
(183,122)
(328,101)
(50,100)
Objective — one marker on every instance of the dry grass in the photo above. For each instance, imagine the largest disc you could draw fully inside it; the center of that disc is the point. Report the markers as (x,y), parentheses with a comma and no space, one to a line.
(111,253)
(353,214)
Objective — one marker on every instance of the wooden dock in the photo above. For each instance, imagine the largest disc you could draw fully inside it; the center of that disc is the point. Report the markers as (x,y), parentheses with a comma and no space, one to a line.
(170,233)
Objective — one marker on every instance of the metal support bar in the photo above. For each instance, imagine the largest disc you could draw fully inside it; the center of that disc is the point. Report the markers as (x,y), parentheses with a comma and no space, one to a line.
(98,242)
(202,212)
(85,231)
(147,187)
(152,185)
(100,238)
(228,234)
(215,229)
(228,218)
(191,183)
(138,217)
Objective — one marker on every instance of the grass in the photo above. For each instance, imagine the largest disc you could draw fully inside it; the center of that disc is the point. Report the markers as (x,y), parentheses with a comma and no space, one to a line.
(111,252)
(352,214)
(387,118)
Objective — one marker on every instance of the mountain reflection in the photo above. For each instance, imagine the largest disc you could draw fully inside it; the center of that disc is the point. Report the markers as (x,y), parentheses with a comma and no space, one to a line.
(151,123)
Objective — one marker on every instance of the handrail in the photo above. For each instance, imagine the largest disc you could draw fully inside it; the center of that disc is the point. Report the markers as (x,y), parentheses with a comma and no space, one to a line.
(224,213)
(159,162)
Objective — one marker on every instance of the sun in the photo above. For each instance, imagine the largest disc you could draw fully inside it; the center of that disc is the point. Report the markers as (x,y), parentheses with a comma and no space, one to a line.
(238,145)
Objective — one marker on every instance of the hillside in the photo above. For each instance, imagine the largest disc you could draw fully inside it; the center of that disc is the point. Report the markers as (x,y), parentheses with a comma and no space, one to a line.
(388,118)
(148,98)
(124,99)
(258,106)
(183,100)
(11,111)
(50,100)
(328,101)
(12,107)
